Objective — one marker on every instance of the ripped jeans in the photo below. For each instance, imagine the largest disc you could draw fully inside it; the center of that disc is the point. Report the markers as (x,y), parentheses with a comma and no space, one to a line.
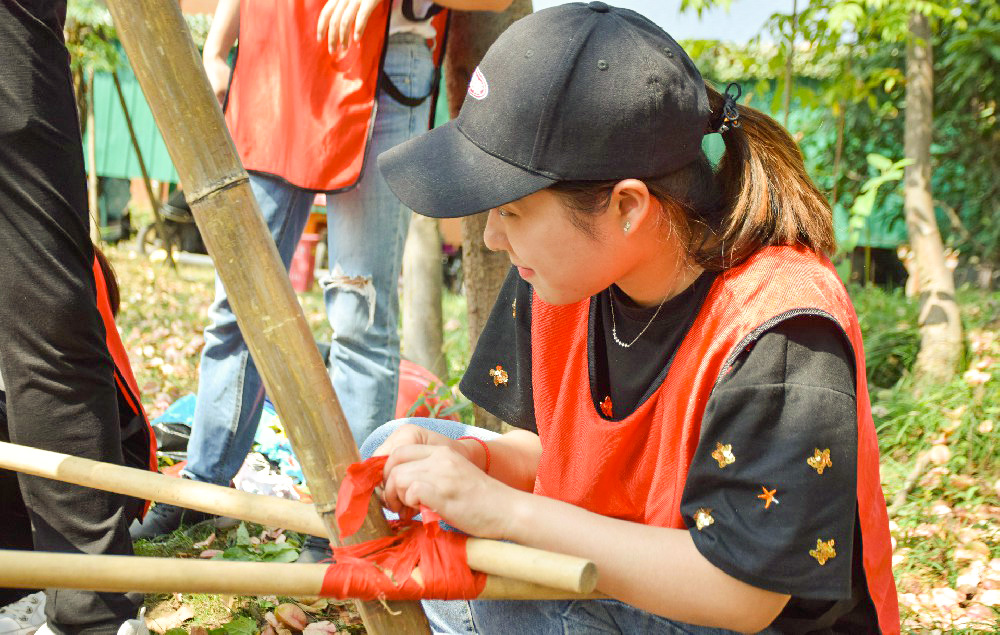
(367,228)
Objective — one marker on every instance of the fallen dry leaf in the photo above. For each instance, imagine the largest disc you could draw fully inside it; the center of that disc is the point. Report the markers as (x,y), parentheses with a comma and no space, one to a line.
(292,616)
(206,542)
(164,623)
(989,598)
(321,628)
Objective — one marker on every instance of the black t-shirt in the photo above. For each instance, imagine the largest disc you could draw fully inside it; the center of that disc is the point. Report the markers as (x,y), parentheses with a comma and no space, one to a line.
(789,396)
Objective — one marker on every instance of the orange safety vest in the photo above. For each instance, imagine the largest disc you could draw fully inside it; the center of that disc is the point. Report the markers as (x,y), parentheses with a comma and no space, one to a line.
(142,442)
(641,467)
(295,110)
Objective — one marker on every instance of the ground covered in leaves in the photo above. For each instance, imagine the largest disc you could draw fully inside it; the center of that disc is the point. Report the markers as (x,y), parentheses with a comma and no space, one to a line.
(940,469)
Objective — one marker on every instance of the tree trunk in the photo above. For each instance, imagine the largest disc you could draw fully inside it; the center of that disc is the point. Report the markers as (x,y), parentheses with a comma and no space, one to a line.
(940,325)
(470,34)
(422,281)
(483,271)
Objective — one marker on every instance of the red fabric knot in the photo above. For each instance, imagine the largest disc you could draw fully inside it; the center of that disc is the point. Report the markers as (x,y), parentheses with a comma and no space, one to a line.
(381,568)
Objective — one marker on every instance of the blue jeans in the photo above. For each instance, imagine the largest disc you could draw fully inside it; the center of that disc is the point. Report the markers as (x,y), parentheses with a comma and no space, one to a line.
(555,617)
(367,228)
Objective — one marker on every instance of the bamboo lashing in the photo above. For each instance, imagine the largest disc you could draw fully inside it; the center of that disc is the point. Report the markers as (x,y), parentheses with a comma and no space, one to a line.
(543,568)
(120,574)
(167,64)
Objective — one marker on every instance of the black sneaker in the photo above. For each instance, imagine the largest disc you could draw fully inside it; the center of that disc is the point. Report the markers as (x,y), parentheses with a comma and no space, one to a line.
(163,519)
(315,549)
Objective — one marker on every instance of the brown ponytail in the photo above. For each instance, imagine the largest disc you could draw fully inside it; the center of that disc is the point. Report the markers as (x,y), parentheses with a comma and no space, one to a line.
(759,195)
(767,196)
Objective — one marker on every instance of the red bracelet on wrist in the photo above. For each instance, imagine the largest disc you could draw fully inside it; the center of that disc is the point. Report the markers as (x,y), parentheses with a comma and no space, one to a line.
(486,449)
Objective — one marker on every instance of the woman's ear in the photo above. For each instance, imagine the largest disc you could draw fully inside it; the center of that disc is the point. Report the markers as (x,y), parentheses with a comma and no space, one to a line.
(633,205)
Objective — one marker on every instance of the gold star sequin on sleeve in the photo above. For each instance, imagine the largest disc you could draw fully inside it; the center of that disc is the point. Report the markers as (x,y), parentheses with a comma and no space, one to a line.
(723,454)
(513,308)
(768,497)
(819,461)
(824,551)
(499,375)
(703,518)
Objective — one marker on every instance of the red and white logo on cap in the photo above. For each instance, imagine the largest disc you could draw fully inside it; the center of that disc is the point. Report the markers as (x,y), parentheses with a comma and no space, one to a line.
(478,87)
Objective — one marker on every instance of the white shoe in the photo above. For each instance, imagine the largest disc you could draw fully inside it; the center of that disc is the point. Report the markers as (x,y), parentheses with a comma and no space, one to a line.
(23,617)
(136,626)
(129,627)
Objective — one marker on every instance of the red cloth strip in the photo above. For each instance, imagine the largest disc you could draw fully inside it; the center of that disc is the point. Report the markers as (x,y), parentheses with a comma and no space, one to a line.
(381,568)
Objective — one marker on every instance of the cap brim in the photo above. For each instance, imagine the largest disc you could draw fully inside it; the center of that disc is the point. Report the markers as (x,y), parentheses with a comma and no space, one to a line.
(443,174)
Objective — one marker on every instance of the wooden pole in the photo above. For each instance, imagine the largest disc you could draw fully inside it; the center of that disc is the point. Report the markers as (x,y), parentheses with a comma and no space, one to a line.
(121,574)
(168,67)
(154,200)
(544,568)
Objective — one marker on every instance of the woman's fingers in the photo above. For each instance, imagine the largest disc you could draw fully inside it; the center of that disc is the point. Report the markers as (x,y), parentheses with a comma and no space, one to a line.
(346,25)
(364,13)
(323,23)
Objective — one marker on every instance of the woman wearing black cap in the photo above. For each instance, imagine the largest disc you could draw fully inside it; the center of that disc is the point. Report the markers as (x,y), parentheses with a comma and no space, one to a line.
(682,362)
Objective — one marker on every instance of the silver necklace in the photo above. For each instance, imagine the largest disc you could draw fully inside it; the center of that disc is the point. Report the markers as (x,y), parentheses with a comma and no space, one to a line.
(614,327)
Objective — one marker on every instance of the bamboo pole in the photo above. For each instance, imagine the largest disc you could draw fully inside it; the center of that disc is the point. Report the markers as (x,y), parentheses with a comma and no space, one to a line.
(154,200)
(547,569)
(120,574)
(168,67)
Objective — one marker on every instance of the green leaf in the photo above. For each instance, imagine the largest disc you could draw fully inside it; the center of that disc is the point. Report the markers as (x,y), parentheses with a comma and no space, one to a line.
(879,162)
(242,625)
(242,535)
(238,552)
(176,631)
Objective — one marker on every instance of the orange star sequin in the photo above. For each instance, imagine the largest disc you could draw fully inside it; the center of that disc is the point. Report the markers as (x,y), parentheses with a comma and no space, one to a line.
(723,454)
(819,461)
(499,375)
(606,406)
(824,551)
(768,497)
(703,518)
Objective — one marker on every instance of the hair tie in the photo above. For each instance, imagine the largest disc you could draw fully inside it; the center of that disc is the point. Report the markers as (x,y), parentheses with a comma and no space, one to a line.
(730,115)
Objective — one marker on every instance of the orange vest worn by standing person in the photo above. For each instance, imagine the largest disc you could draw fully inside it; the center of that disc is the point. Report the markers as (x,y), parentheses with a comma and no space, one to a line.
(138,438)
(639,465)
(295,110)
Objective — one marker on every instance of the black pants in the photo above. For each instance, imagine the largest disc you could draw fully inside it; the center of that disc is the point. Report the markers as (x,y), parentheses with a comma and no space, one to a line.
(53,357)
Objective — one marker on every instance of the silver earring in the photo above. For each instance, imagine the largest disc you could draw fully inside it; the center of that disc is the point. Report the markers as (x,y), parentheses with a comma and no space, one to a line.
(628,226)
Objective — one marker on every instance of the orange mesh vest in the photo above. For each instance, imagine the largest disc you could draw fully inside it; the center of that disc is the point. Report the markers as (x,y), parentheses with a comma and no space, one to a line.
(296,111)
(635,469)
(123,370)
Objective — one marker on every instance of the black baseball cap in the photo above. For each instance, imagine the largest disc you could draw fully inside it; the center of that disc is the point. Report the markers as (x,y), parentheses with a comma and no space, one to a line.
(573,92)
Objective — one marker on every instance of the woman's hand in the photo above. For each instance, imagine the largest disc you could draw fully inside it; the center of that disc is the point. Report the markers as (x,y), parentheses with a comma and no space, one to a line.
(343,21)
(410,434)
(440,478)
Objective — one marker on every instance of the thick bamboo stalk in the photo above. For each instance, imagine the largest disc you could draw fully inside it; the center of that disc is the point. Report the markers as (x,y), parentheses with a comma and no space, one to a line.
(168,67)
(119,574)
(154,200)
(557,571)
